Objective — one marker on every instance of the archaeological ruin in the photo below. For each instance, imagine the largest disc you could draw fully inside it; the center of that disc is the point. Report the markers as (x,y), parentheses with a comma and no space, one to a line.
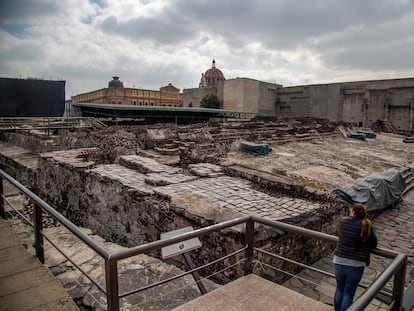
(127,184)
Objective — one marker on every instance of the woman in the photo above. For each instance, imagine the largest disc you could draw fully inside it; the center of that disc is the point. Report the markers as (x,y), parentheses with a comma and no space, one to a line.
(356,240)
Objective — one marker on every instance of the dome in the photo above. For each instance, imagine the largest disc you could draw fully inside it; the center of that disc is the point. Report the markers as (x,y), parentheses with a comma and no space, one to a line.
(115,82)
(212,76)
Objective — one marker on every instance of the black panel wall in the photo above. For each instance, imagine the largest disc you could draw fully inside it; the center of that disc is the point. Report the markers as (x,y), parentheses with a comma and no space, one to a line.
(31,98)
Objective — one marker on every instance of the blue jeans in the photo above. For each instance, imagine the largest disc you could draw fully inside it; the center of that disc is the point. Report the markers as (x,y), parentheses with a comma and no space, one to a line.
(347,280)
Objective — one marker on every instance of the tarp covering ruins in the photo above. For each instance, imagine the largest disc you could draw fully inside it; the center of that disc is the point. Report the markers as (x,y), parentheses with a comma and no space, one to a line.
(252,148)
(377,191)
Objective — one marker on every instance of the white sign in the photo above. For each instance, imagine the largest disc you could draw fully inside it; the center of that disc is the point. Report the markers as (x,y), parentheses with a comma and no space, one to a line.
(180,247)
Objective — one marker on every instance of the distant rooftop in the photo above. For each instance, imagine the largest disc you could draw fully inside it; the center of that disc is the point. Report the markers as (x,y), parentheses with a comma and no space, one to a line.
(131,111)
(115,82)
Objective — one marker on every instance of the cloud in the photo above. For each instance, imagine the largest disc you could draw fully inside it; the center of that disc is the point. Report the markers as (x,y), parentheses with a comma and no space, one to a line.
(27,11)
(155,42)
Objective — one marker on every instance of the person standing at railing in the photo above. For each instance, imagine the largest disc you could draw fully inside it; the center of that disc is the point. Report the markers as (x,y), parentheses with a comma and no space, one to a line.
(356,241)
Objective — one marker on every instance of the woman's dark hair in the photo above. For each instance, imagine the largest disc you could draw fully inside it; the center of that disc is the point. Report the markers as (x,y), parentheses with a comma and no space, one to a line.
(361,211)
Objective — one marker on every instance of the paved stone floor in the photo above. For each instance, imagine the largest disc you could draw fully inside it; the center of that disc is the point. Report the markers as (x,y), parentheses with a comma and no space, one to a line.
(238,195)
(232,193)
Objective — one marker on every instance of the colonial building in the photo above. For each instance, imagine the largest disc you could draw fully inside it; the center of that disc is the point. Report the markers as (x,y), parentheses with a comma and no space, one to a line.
(211,77)
(208,85)
(116,93)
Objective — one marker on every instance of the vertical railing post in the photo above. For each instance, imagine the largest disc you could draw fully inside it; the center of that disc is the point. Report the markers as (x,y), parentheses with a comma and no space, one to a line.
(111,279)
(398,287)
(2,213)
(248,265)
(38,237)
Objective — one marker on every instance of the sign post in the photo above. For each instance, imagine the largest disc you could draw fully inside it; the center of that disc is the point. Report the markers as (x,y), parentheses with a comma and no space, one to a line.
(183,248)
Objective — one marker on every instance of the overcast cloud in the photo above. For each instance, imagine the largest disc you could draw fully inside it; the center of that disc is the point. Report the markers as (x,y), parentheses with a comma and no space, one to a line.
(150,43)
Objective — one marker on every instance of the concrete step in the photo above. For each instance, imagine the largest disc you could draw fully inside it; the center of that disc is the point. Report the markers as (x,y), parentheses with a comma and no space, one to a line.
(26,284)
(253,293)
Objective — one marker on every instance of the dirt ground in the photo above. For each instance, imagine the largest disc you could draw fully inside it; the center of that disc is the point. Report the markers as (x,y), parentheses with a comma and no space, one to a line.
(331,163)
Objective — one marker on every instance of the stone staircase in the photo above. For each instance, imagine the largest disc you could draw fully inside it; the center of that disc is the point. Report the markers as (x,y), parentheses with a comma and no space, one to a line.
(408,175)
(212,139)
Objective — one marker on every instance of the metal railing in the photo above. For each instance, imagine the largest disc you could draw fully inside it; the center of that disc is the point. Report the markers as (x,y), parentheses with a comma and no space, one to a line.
(46,124)
(395,270)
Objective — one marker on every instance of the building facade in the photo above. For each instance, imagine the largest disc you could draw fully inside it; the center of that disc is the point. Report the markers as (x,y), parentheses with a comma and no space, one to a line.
(210,83)
(362,103)
(116,93)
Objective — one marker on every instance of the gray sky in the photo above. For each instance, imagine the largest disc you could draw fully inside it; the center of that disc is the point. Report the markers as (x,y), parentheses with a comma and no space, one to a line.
(150,43)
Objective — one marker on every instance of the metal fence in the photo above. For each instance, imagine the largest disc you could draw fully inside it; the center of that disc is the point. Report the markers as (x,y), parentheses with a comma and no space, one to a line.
(48,124)
(394,272)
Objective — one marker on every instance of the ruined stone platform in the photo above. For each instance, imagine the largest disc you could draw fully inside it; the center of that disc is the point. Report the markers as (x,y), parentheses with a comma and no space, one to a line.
(322,164)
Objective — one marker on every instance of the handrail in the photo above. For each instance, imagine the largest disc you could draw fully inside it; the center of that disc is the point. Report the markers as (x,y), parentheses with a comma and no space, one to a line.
(395,269)
(182,274)
(291,228)
(86,274)
(316,234)
(294,262)
(399,262)
(46,123)
(103,252)
(133,251)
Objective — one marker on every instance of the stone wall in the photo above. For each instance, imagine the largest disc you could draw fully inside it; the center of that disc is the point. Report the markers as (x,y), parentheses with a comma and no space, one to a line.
(93,191)
(112,210)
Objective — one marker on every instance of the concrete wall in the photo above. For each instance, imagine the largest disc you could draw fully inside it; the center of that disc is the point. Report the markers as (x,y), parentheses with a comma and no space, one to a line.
(362,103)
(192,97)
(234,95)
(248,95)
(267,99)
(293,101)
(400,108)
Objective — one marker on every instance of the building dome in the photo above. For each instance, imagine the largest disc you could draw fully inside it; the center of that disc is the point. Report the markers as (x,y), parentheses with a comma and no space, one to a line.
(116,82)
(212,76)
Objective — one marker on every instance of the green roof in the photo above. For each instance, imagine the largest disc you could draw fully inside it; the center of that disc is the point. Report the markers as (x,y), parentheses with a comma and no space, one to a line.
(116,110)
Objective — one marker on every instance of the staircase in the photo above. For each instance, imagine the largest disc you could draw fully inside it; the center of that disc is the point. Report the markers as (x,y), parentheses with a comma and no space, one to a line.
(408,175)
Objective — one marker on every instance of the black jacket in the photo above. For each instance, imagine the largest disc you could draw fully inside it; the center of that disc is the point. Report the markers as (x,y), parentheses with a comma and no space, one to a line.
(350,244)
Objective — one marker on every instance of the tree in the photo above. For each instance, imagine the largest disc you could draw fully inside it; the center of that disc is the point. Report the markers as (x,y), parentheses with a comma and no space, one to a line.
(210,101)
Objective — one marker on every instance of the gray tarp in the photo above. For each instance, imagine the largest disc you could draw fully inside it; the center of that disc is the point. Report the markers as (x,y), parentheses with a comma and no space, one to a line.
(252,148)
(376,191)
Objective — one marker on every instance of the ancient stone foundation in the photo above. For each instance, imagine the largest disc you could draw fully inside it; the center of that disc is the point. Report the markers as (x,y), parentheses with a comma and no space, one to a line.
(131,184)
